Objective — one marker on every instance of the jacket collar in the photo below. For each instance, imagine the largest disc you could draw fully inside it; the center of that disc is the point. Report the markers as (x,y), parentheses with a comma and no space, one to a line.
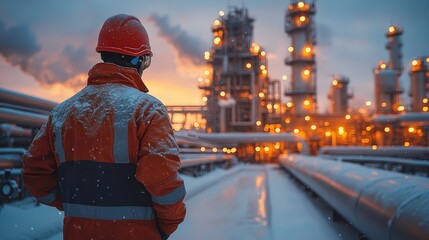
(103,73)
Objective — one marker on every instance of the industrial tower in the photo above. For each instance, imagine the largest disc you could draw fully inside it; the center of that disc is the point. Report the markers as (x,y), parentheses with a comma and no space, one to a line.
(299,25)
(387,87)
(339,95)
(419,87)
(236,87)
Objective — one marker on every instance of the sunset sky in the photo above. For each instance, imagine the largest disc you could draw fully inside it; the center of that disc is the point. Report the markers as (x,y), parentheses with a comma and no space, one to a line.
(48,46)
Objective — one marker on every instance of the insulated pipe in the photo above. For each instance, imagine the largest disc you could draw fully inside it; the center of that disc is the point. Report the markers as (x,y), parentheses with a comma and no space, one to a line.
(11,158)
(414,152)
(21,118)
(236,138)
(190,160)
(20,99)
(383,205)
(8,130)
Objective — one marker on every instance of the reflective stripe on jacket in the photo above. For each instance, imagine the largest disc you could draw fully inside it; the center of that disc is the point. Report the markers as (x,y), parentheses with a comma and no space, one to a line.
(108,157)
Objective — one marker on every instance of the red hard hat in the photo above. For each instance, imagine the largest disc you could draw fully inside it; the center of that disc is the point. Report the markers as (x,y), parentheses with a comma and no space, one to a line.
(124,34)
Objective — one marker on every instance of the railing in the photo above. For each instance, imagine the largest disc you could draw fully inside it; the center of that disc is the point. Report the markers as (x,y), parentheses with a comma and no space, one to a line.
(380,204)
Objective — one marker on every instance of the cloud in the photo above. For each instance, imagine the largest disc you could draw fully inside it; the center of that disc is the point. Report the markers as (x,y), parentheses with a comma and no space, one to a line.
(17,44)
(20,47)
(189,49)
(68,67)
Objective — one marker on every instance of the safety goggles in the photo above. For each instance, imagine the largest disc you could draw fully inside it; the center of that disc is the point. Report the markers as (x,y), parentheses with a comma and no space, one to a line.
(145,59)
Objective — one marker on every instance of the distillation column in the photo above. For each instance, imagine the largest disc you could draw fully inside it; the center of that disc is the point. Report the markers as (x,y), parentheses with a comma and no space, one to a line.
(387,87)
(419,86)
(299,25)
(339,95)
(235,88)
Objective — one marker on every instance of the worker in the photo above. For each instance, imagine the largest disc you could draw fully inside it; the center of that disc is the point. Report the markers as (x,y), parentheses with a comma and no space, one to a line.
(107,156)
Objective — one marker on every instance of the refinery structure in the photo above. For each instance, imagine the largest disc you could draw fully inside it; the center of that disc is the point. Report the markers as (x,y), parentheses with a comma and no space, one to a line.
(240,96)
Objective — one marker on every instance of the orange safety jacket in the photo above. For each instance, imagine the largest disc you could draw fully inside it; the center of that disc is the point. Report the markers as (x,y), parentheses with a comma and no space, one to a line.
(108,157)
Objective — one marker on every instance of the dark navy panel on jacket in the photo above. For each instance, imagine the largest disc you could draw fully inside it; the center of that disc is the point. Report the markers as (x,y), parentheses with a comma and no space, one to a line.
(101,184)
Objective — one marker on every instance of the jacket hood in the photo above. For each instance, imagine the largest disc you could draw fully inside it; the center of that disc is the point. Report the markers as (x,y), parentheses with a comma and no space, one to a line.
(103,73)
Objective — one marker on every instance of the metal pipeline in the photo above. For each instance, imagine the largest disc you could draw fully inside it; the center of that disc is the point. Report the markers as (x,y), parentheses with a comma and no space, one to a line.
(190,160)
(23,100)
(21,118)
(11,158)
(380,204)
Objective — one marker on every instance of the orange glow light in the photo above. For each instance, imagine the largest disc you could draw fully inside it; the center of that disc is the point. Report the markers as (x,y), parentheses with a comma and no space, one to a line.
(306,72)
(216,41)
(206,55)
(217,22)
(306,102)
(302,18)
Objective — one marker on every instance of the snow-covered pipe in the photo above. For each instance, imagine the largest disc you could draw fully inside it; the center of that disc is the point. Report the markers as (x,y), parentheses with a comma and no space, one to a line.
(421,118)
(381,204)
(190,160)
(20,99)
(414,152)
(11,157)
(236,138)
(8,130)
(21,118)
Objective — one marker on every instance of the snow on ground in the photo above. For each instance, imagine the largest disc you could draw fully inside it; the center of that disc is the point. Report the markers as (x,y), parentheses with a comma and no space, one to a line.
(24,220)
(243,202)
(258,202)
